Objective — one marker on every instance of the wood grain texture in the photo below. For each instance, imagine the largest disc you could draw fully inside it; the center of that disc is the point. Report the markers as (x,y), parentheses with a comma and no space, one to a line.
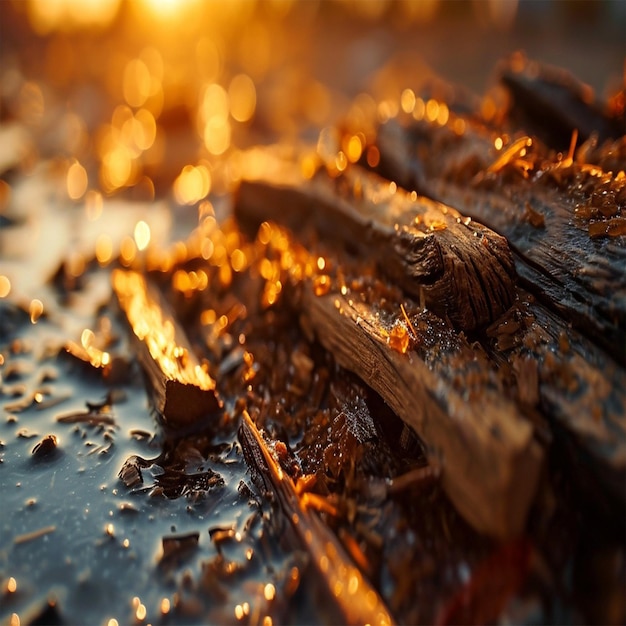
(460,269)
(447,394)
(357,601)
(558,258)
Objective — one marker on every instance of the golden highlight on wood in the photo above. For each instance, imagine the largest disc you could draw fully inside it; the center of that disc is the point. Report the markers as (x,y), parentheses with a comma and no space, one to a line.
(183,392)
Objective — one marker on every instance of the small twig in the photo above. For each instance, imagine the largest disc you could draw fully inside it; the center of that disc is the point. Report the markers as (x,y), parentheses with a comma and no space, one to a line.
(35,534)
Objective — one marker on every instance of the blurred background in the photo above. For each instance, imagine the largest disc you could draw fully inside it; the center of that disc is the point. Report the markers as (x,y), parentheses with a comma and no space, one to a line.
(148,97)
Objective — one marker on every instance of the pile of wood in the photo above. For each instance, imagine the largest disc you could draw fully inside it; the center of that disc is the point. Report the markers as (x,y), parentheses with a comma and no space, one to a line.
(470,281)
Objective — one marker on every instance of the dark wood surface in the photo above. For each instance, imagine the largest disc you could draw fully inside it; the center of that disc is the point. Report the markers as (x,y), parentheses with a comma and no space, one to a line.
(499,398)
(457,267)
(560,256)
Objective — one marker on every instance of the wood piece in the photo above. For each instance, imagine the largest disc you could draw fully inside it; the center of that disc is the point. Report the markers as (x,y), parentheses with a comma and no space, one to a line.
(575,385)
(460,269)
(548,210)
(556,378)
(183,393)
(443,389)
(358,601)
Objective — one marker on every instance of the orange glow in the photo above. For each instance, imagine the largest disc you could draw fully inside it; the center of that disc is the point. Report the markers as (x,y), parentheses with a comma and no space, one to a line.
(117,168)
(217,135)
(35,310)
(419,110)
(354,149)
(242,96)
(141,612)
(517,149)
(488,108)
(137,83)
(373,156)
(142,235)
(151,326)
(341,162)
(104,249)
(192,184)
(76,181)
(166,10)
(48,15)
(443,114)
(407,101)
(432,110)
(144,130)
(308,166)
(128,251)
(214,103)
(5,286)
(459,126)
(269,591)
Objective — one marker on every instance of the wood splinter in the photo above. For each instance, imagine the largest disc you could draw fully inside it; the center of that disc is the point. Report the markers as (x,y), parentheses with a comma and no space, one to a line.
(183,392)
(357,600)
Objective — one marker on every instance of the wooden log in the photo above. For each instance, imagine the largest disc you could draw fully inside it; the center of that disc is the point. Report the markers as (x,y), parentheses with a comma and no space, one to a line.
(448,394)
(457,267)
(549,370)
(183,393)
(357,600)
(564,220)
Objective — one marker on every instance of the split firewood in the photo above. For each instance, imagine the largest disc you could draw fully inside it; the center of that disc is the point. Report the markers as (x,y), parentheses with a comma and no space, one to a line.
(457,267)
(548,369)
(445,391)
(183,393)
(564,219)
(438,385)
(358,601)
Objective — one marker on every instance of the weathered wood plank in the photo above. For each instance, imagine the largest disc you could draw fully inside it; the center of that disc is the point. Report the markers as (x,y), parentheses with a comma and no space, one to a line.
(551,103)
(564,220)
(444,390)
(457,267)
(183,393)
(573,384)
(546,368)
